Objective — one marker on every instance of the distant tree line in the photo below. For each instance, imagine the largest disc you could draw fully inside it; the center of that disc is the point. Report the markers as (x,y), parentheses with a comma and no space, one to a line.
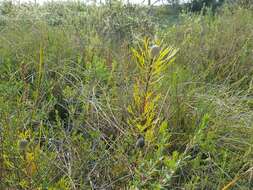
(192,5)
(198,5)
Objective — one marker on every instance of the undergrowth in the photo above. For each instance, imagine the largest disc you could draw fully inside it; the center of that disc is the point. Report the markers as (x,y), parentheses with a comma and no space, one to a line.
(90,98)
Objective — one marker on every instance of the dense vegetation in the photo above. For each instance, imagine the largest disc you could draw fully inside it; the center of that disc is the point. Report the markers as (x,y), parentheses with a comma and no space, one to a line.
(126,97)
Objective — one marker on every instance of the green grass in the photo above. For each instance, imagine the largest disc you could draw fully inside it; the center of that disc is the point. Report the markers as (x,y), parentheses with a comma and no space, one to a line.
(74,98)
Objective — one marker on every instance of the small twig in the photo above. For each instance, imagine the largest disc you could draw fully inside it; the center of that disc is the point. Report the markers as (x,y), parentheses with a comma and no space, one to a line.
(233,182)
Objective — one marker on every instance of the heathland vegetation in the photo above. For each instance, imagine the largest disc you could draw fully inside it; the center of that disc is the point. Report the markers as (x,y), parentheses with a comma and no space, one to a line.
(120,96)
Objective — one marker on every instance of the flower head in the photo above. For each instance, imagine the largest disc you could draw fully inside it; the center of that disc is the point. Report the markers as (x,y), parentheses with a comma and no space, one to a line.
(140,143)
(23,144)
(155,50)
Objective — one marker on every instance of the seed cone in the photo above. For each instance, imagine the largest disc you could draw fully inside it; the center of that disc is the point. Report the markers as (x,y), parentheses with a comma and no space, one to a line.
(23,144)
(154,50)
(140,143)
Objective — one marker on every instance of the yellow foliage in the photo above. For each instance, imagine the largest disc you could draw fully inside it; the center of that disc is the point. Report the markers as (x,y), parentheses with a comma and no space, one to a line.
(31,166)
(145,94)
